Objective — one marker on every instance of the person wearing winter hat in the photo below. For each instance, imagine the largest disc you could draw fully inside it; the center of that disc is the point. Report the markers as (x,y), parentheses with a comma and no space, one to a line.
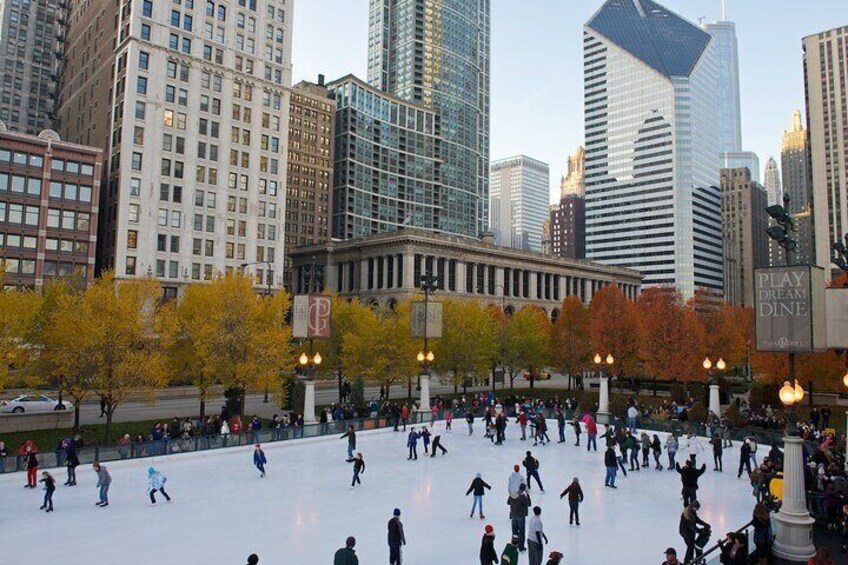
(259,460)
(487,547)
(396,538)
(518,508)
(555,558)
(516,479)
(347,555)
(156,481)
(509,556)
(252,559)
(478,487)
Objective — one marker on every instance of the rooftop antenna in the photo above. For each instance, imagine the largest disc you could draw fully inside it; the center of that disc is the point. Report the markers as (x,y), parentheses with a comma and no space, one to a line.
(724,10)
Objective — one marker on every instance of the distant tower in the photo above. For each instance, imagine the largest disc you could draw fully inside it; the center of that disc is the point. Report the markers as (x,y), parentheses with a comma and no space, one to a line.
(772,182)
(798,184)
(572,183)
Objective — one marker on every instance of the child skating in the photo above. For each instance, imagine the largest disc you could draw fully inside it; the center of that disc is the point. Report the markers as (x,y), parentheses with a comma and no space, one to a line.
(358,469)
(156,482)
(259,460)
(49,489)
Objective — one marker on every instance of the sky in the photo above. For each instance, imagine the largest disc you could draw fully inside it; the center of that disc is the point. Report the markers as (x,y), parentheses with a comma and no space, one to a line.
(537,65)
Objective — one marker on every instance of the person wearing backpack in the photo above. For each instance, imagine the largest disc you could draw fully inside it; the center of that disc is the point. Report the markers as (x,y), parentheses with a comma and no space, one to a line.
(531,464)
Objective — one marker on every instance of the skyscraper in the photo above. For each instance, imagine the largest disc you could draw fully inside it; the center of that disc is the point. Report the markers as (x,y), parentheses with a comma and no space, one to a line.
(518,201)
(436,53)
(743,210)
(742,159)
(652,146)
(798,185)
(31,36)
(190,104)
(574,180)
(826,82)
(772,184)
(568,227)
(729,107)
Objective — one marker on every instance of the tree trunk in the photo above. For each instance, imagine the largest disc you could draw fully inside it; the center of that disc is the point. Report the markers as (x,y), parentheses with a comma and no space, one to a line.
(109,412)
(532,380)
(76,415)
(202,408)
(455,387)
(408,389)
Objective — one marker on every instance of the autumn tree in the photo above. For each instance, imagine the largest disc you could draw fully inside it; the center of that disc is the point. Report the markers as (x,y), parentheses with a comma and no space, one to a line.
(527,342)
(469,343)
(18,309)
(571,343)
(107,336)
(345,317)
(615,329)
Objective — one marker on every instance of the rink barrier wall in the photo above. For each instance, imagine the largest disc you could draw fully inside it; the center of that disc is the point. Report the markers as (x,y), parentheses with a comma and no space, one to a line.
(163,447)
(32,421)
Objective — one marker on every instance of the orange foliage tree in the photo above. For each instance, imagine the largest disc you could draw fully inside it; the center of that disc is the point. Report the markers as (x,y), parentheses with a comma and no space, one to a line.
(614,329)
(571,344)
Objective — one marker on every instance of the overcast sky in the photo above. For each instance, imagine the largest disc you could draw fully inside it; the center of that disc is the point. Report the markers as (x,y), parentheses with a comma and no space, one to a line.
(537,80)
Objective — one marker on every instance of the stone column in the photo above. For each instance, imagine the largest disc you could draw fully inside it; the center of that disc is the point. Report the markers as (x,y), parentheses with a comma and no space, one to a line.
(408,270)
(532,281)
(387,260)
(499,281)
(715,401)
(363,275)
(794,535)
(603,401)
(485,287)
(425,394)
(587,290)
(309,402)
(461,275)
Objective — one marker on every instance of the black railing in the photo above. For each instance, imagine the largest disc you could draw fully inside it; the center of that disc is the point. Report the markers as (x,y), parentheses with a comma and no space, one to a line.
(712,555)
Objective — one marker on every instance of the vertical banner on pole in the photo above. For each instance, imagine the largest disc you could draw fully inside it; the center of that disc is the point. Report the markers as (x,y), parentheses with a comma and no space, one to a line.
(434,320)
(311,316)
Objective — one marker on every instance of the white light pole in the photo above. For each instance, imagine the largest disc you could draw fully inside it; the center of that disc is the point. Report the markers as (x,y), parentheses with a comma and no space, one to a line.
(603,398)
(715,399)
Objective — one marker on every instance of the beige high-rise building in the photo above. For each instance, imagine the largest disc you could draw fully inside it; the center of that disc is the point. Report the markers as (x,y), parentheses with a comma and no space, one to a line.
(798,185)
(573,182)
(826,86)
(190,102)
(744,224)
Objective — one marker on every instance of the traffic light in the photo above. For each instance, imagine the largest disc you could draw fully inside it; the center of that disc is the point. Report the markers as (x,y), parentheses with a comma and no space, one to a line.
(782,232)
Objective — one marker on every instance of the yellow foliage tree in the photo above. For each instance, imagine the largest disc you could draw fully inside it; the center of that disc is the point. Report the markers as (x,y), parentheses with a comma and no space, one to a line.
(18,309)
(527,342)
(346,317)
(469,343)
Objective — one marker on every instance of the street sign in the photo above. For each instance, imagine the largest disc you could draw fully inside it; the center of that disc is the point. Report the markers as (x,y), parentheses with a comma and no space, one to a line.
(311,316)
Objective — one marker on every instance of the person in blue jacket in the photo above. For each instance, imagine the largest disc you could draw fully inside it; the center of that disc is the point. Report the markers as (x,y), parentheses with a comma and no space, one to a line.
(156,481)
(259,459)
(412,443)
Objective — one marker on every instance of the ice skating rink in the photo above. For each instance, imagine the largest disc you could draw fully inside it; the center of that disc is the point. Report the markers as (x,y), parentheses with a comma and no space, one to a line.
(303,511)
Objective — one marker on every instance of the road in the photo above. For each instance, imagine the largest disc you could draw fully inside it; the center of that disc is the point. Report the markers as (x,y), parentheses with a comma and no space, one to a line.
(168,408)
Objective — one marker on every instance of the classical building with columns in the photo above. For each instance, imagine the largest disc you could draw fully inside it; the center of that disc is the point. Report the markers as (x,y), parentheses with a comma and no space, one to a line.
(386,268)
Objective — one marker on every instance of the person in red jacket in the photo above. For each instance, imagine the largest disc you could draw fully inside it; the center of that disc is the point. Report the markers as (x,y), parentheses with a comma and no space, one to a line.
(404,416)
(31,462)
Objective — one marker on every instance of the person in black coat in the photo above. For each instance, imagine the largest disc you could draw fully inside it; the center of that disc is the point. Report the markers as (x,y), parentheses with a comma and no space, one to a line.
(611,463)
(691,526)
(531,464)
(488,555)
(358,468)
(478,487)
(72,463)
(744,458)
(396,538)
(575,497)
(49,489)
(689,478)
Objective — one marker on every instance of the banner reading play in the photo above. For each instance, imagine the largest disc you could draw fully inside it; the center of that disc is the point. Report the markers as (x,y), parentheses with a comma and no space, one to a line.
(789,304)
(311,316)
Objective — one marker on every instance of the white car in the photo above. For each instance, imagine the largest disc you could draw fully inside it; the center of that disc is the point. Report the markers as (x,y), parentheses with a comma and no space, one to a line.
(32,403)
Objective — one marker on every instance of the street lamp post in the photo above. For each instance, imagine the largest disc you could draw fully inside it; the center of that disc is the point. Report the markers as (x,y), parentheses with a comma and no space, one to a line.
(429,284)
(603,397)
(845,382)
(309,362)
(715,398)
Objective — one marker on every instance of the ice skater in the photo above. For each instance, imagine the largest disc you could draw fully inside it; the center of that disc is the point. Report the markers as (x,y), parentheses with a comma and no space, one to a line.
(396,538)
(478,487)
(49,489)
(425,437)
(531,464)
(412,444)
(259,460)
(448,421)
(575,498)
(744,458)
(693,447)
(536,537)
(516,479)
(347,555)
(469,419)
(689,479)
(31,463)
(692,529)
(351,443)
(671,450)
(575,423)
(104,480)
(72,464)
(156,482)
(518,508)
(437,444)
(611,464)
(488,556)
(656,447)
(560,425)
(509,556)
(358,469)
(718,449)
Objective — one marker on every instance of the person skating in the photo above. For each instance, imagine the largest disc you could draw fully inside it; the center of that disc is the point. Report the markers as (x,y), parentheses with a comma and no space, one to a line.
(478,487)
(396,538)
(591,433)
(575,423)
(560,425)
(689,479)
(358,469)
(31,463)
(671,450)
(488,556)
(509,555)
(350,434)
(448,422)
(437,444)
(412,443)
(536,538)
(469,419)
(156,482)
(522,423)
(531,464)
(259,459)
(519,507)
(645,440)
(718,448)
(744,458)
(656,447)
(425,437)
(555,558)
(621,457)
(690,528)
(632,446)
(347,555)
(611,464)
(575,498)
(516,479)
(104,481)
(49,489)
(72,463)
(693,448)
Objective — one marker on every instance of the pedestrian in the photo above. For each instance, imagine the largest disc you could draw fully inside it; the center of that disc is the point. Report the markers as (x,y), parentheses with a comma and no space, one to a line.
(575,423)
(689,479)
(156,482)
(825,415)
(448,422)
(591,434)
(104,480)
(72,462)
(822,557)
(753,443)
(671,557)
(351,442)
(645,440)
(744,458)
(347,555)
(437,444)
(519,507)
(396,538)
(632,412)
(671,450)
(555,558)
(560,425)
(31,462)
(531,464)
(611,464)
(425,437)
(412,443)
(536,537)
(761,523)
(516,479)
(3,454)
(469,418)
(102,406)
(693,447)
(718,448)
(575,497)
(259,460)
(488,556)
(358,469)
(404,415)
(49,489)
(691,528)
(478,487)
(255,426)
(509,555)
(522,423)
(656,447)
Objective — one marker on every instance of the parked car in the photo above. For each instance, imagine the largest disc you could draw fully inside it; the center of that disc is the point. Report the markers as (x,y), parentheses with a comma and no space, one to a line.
(33,403)
(543,376)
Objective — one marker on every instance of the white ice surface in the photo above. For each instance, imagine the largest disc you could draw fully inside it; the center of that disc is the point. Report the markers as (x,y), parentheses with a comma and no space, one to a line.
(303,511)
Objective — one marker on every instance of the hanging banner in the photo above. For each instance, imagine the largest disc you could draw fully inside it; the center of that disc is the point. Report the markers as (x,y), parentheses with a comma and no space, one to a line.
(789,309)
(433,317)
(311,316)
(836,306)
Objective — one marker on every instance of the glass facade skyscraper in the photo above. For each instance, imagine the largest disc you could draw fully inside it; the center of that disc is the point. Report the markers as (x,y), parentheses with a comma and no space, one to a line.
(729,108)
(652,201)
(519,195)
(436,53)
